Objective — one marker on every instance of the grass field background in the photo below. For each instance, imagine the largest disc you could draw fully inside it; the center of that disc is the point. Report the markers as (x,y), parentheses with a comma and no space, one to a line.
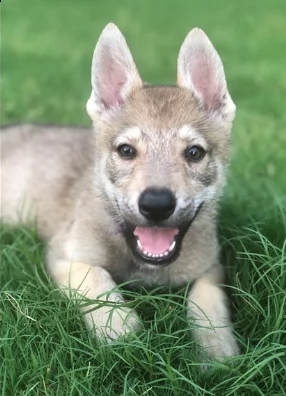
(46,55)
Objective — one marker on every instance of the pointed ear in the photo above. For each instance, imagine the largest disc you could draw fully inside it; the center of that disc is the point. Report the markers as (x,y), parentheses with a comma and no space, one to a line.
(201,71)
(114,74)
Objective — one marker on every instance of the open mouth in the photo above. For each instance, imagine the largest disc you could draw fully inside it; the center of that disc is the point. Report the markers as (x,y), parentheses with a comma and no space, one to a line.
(157,245)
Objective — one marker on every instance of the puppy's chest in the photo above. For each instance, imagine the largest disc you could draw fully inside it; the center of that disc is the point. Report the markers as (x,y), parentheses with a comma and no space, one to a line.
(147,276)
(150,276)
(138,275)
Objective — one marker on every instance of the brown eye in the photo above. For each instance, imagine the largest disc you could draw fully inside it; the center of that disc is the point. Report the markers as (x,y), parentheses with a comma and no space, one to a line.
(126,151)
(195,153)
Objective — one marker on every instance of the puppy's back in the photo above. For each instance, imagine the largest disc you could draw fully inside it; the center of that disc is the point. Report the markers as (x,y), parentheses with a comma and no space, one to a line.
(41,167)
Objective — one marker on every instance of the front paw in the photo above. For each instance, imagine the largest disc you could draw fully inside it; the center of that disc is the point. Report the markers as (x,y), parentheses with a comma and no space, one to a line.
(209,314)
(110,322)
(216,343)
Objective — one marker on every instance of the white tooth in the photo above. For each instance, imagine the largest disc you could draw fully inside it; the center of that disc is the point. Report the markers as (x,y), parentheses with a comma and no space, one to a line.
(161,254)
(165,253)
(145,252)
(172,246)
(139,244)
(149,254)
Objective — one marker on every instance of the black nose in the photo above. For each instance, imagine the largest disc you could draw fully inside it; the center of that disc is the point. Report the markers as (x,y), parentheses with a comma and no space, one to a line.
(157,204)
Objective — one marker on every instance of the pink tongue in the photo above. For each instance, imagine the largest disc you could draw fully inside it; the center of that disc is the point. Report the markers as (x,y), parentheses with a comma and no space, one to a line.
(156,240)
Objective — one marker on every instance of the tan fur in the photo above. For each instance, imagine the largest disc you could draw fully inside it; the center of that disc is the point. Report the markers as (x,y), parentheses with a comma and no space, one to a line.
(73,184)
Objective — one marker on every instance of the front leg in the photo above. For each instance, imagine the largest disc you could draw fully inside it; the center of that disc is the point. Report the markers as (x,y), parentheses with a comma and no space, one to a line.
(108,321)
(208,310)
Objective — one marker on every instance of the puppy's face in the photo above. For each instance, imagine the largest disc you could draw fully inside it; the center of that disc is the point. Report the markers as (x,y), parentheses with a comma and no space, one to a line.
(162,151)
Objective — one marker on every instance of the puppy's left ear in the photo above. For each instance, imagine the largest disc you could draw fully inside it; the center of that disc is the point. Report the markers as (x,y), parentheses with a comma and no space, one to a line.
(200,70)
(113,76)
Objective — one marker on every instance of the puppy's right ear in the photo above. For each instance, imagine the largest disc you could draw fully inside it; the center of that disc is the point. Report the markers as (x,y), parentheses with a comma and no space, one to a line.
(114,74)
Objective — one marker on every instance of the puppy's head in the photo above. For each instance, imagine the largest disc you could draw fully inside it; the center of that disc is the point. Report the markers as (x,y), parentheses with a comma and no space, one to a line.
(162,151)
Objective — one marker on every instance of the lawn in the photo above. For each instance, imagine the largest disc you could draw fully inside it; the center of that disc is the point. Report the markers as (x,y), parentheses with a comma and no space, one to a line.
(46,55)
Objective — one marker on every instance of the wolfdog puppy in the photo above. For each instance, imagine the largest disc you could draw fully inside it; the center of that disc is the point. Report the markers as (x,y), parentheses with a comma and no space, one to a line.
(135,199)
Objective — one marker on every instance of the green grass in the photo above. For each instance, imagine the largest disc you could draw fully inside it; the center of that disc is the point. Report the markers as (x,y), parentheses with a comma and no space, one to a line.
(46,56)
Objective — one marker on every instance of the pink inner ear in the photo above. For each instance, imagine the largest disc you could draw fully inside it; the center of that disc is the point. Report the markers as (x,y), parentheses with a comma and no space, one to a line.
(205,82)
(112,79)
